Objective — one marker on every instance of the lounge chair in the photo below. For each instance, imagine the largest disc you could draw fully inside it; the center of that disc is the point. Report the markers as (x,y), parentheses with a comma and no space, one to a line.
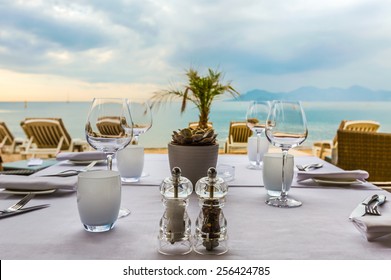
(8,143)
(368,151)
(327,150)
(48,136)
(238,135)
(110,126)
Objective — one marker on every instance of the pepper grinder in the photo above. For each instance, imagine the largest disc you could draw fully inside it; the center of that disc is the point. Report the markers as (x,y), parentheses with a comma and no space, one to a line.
(211,226)
(175,225)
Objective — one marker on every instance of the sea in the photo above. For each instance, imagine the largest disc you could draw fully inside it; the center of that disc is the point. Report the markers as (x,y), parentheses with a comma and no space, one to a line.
(323,118)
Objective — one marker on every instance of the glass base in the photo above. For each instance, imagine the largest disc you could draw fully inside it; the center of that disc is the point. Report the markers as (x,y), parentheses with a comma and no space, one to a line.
(130,180)
(123,212)
(102,228)
(203,247)
(283,202)
(255,166)
(182,247)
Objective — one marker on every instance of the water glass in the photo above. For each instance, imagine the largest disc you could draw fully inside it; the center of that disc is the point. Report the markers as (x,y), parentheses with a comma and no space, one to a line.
(99,199)
(130,163)
(256,149)
(272,169)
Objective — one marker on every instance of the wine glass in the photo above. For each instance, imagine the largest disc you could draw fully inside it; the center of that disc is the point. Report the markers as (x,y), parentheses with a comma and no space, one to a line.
(109,129)
(142,121)
(256,117)
(286,127)
(142,118)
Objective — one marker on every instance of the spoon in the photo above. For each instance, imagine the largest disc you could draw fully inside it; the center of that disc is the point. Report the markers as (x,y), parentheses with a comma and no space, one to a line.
(309,166)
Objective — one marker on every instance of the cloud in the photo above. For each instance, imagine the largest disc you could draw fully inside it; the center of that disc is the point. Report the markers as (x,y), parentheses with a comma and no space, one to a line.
(129,41)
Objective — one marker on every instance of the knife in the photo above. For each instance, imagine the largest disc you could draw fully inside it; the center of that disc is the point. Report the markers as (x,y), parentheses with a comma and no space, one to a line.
(23,210)
(360,209)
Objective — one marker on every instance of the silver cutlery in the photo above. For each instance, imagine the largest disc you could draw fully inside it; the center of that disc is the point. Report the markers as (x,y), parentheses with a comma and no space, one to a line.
(24,210)
(71,172)
(372,209)
(307,167)
(19,204)
(360,209)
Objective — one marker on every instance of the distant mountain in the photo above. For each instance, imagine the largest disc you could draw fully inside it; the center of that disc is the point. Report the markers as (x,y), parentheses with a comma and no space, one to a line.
(354,93)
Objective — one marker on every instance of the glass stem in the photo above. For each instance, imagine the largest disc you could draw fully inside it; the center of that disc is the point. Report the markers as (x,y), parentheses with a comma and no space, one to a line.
(109,161)
(284,158)
(258,160)
(135,140)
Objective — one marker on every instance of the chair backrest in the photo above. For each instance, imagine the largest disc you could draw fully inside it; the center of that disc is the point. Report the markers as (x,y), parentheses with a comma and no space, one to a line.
(5,134)
(368,151)
(239,132)
(110,126)
(361,125)
(46,132)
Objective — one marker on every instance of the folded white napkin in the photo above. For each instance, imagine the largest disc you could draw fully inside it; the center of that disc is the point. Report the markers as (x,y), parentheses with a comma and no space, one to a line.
(336,175)
(372,227)
(17,182)
(93,155)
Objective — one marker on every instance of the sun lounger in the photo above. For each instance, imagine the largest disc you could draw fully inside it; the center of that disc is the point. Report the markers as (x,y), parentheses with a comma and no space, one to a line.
(8,143)
(48,136)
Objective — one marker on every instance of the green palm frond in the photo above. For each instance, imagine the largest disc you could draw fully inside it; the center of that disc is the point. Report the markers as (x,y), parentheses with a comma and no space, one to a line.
(200,90)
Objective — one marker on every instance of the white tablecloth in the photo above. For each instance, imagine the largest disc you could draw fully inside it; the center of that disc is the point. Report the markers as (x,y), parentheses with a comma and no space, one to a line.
(320,229)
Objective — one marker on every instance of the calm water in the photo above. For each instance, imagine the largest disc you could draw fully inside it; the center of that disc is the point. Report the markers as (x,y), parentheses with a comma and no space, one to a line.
(323,117)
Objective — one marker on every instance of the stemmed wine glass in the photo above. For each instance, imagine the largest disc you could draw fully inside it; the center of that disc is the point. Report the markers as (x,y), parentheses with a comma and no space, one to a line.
(109,129)
(142,118)
(286,127)
(256,117)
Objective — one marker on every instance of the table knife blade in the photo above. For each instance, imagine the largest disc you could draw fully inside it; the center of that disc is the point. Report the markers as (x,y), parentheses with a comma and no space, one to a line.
(23,210)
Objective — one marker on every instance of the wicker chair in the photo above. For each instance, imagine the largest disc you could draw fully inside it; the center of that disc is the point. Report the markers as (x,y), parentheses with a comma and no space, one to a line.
(238,135)
(48,136)
(328,149)
(367,151)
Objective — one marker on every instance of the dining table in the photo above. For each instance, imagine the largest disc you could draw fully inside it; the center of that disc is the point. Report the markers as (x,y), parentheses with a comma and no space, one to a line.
(318,230)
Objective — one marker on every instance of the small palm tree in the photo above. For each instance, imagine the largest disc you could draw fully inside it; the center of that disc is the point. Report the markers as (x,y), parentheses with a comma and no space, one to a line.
(201,90)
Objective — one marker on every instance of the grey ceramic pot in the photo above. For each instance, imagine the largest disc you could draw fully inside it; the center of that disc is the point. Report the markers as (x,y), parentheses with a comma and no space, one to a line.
(194,161)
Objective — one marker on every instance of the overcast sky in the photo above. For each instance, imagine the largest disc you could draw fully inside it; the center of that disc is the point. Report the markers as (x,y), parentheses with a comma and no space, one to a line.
(78,49)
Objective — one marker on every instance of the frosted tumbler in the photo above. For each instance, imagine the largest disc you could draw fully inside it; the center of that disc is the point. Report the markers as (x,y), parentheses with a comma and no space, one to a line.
(254,144)
(272,170)
(130,163)
(99,199)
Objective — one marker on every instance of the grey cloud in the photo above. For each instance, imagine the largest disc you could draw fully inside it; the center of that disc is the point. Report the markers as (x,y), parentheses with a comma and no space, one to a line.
(149,38)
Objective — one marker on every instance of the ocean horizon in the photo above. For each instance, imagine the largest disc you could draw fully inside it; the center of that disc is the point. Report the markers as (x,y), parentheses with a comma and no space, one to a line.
(323,118)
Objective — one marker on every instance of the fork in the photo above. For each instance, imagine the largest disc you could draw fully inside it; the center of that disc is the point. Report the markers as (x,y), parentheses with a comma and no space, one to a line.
(19,204)
(307,167)
(71,172)
(372,210)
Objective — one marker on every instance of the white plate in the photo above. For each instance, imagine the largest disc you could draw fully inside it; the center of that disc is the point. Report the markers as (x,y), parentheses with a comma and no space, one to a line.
(342,182)
(83,162)
(24,192)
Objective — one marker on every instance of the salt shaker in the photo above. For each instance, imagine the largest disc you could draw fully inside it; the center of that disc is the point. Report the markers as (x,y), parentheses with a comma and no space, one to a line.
(211,226)
(175,225)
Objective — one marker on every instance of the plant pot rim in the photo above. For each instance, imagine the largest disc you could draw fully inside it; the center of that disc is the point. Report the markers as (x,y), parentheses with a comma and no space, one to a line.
(193,146)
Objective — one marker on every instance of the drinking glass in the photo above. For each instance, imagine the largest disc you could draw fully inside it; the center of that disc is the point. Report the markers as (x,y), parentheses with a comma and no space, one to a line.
(256,117)
(109,129)
(141,117)
(286,127)
(142,121)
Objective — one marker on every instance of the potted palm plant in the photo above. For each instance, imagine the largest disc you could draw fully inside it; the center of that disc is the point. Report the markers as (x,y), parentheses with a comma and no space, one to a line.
(194,150)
